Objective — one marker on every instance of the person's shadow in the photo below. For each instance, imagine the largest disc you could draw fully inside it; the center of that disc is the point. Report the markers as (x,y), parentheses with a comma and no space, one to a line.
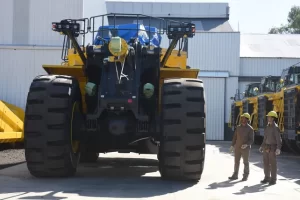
(252,189)
(223,184)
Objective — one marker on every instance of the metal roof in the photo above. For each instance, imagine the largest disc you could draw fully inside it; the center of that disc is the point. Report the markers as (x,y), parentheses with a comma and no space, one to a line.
(213,25)
(172,1)
(270,46)
(170,8)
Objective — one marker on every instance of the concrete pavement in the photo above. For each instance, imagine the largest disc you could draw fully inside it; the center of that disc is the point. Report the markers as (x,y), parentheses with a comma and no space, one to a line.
(133,176)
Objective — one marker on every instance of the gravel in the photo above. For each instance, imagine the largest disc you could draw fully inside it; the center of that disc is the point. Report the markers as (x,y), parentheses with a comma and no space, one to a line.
(10,157)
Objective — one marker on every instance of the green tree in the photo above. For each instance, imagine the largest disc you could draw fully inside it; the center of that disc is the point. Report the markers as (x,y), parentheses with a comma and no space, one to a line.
(293,25)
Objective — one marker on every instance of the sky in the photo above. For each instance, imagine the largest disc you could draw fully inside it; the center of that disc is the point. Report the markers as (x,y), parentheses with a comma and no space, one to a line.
(258,16)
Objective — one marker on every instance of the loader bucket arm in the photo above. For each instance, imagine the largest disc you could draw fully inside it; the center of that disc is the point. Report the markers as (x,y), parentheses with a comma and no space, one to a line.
(176,32)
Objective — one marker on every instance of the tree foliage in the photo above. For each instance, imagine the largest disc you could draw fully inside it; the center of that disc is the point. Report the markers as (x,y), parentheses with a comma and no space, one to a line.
(293,25)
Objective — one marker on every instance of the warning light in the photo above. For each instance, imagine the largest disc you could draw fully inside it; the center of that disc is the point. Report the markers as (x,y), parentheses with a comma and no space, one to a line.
(129,100)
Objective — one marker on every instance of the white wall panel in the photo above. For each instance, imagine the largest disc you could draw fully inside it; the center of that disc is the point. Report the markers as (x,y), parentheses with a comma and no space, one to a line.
(6,22)
(18,67)
(265,66)
(242,86)
(94,8)
(215,97)
(44,12)
(231,87)
(215,51)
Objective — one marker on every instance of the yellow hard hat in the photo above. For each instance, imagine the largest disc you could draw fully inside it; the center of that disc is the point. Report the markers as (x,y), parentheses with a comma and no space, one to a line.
(272,114)
(246,115)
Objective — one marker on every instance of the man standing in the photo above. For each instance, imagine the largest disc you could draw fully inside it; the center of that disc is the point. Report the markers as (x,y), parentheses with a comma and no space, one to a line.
(241,144)
(271,148)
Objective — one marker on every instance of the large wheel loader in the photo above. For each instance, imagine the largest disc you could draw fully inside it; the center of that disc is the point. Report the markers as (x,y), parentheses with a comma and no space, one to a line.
(121,93)
(290,107)
(241,104)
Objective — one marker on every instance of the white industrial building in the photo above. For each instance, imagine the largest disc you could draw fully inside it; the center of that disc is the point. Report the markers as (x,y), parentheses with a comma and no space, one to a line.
(27,42)
(263,55)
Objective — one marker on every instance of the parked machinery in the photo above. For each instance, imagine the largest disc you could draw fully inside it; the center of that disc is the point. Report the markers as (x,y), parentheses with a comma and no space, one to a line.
(124,95)
(241,104)
(11,123)
(267,100)
(291,107)
(254,102)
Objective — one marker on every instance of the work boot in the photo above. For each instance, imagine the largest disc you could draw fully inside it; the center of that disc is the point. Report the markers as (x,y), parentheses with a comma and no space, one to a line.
(265,180)
(245,178)
(233,177)
(272,182)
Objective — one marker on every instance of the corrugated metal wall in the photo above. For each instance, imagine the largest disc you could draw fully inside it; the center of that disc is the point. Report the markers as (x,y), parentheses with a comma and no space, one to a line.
(43,13)
(215,52)
(20,64)
(6,16)
(28,22)
(231,87)
(265,66)
(18,67)
(215,97)
(243,84)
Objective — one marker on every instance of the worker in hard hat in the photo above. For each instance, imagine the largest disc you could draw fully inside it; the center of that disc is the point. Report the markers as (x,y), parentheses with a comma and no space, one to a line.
(270,148)
(241,144)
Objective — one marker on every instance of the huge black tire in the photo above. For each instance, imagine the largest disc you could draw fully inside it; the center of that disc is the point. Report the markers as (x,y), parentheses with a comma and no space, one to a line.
(182,146)
(52,120)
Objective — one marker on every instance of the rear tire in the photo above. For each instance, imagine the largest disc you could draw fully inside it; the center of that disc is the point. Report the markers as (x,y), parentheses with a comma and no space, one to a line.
(53,120)
(182,146)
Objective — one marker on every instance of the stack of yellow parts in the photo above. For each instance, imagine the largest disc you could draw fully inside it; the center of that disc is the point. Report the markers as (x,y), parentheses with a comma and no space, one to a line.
(11,123)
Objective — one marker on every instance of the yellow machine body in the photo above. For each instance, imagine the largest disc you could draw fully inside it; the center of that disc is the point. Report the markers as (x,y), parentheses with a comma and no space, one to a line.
(239,105)
(254,114)
(175,67)
(11,123)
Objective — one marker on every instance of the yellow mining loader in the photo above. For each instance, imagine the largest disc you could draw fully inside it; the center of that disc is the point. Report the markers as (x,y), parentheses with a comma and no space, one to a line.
(264,102)
(11,123)
(285,102)
(254,102)
(121,92)
(243,103)
(289,107)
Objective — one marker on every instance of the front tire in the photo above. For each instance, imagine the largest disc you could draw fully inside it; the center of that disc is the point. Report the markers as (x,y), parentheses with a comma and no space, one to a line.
(182,146)
(53,120)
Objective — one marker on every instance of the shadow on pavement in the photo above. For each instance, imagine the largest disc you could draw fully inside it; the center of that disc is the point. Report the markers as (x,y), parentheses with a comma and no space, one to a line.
(108,178)
(252,189)
(288,164)
(3,166)
(223,184)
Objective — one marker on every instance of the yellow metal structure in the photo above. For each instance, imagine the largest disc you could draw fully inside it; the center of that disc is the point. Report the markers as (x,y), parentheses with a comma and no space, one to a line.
(254,115)
(278,106)
(175,67)
(239,105)
(11,123)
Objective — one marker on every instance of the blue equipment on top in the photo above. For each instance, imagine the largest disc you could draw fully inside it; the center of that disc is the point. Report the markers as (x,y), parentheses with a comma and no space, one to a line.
(127,32)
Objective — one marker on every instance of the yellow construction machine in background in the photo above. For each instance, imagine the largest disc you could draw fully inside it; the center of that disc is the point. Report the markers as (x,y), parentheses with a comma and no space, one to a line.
(243,104)
(11,123)
(280,94)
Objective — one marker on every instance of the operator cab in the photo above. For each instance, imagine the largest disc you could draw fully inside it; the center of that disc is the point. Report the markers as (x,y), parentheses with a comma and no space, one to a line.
(291,76)
(251,90)
(269,84)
